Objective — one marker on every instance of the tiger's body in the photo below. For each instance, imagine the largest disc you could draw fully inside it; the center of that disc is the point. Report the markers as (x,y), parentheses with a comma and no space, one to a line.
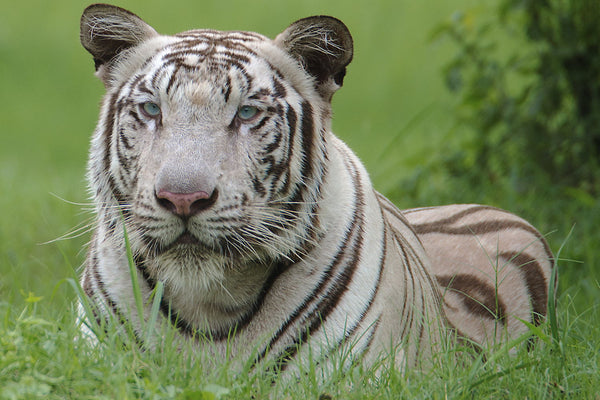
(214,152)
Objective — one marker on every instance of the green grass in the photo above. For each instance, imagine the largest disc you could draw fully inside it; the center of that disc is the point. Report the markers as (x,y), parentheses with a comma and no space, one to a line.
(393,111)
(42,358)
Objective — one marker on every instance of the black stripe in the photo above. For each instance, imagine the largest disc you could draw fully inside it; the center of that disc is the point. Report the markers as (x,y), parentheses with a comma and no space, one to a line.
(326,276)
(134,114)
(144,89)
(478,228)
(258,186)
(308,139)
(86,285)
(158,73)
(313,320)
(119,196)
(261,93)
(93,266)
(274,145)
(536,284)
(408,310)
(124,160)
(481,228)
(227,89)
(292,120)
(245,320)
(477,296)
(89,273)
(272,169)
(423,320)
(367,308)
(261,124)
(440,226)
(278,89)
(459,215)
(222,59)
(108,124)
(371,335)
(172,78)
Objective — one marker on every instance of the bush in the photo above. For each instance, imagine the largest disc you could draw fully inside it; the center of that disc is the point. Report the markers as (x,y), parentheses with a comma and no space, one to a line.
(534,108)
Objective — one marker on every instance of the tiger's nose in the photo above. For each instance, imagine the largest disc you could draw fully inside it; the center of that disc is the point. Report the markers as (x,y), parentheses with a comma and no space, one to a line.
(186,204)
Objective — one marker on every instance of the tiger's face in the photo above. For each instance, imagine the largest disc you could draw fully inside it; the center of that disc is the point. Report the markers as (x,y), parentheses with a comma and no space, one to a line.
(203,149)
(212,144)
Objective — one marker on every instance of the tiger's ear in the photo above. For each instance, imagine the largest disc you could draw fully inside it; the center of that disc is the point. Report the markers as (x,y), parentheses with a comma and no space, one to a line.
(108,30)
(323,46)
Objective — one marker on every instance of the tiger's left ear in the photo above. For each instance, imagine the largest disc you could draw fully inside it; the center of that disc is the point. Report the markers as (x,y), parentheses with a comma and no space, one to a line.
(323,46)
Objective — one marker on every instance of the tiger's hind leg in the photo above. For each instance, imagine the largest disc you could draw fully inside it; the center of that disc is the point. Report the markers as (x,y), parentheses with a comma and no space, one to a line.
(492,267)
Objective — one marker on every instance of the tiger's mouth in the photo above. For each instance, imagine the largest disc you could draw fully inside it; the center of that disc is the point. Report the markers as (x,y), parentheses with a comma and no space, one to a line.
(232,247)
(186,242)
(186,238)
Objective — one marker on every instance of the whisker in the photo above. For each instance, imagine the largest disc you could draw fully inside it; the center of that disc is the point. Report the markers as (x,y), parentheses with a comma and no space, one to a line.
(242,246)
(269,243)
(90,204)
(79,230)
(267,218)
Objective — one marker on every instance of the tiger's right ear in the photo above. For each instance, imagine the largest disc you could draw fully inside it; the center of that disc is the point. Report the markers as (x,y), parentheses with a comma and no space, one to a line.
(108,30)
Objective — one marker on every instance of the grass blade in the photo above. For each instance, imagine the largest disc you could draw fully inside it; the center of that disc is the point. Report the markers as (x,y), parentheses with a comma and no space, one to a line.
(157,295)
(552,315)
(137,293)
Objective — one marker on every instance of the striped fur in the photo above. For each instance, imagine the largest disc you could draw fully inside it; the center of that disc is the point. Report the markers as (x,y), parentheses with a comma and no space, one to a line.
(492,267)
(213,151)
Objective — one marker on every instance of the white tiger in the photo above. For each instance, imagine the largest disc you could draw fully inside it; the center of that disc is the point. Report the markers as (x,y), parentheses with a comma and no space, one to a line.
(214,151)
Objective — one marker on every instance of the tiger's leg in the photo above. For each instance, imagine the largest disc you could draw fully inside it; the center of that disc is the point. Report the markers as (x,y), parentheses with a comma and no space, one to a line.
(493,268)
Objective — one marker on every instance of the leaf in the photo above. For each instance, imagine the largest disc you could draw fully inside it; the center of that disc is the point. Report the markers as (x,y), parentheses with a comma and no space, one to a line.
(31,298)
(581,196)
(27,387)
(209,392)
(536,331)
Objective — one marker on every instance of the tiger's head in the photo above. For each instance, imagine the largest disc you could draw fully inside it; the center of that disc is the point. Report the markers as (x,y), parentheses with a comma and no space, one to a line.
(213,144)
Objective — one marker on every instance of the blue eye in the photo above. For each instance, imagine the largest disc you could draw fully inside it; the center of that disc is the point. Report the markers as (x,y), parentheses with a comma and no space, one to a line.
(246,113)
(151,109)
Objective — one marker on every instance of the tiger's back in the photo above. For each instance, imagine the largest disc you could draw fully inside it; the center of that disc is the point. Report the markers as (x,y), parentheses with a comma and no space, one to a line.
(492,267)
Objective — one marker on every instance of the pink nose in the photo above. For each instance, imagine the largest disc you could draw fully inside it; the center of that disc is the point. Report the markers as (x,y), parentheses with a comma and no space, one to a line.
(186,204)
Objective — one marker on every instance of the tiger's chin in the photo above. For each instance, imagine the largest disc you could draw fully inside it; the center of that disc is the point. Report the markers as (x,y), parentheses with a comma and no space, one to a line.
(211,292)
(186,263)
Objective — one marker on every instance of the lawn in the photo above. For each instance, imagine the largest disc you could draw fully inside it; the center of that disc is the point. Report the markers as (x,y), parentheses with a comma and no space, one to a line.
(394,111)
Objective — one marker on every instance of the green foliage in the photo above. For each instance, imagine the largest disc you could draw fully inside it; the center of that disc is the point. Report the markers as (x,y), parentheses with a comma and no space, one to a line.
(523,138)
(534,107)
